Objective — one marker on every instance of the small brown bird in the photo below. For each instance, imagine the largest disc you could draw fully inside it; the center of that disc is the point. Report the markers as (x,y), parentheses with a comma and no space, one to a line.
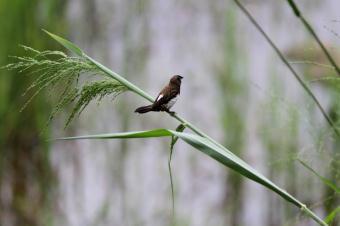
(166,98)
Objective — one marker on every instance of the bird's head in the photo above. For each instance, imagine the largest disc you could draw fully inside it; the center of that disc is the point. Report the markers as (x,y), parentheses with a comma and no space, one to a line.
(176,79)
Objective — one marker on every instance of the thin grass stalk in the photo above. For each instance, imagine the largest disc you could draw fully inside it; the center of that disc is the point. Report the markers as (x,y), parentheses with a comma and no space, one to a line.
(173,214)
(302,206)
(285,61)
(174,139)
(309,28)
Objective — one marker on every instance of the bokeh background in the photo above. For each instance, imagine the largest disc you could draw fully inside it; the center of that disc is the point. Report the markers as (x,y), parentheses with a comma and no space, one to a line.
(235,89)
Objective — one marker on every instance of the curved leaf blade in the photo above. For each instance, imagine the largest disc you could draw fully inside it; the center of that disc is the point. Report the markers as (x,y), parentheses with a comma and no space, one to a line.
(202,144)
(125,135)
(67,44)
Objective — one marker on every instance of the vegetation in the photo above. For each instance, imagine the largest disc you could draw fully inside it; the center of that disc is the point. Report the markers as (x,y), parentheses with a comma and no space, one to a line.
(201,141)
(83,80)
(24,154)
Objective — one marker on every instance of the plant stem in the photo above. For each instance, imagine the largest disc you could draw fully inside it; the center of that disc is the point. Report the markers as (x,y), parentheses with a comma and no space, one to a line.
(284,60)
(120,79)
(298,14)
(244,10)
(172,189)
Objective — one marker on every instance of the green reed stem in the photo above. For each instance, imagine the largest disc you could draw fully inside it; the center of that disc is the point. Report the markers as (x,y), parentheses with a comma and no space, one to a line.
(285,61)
(309,28)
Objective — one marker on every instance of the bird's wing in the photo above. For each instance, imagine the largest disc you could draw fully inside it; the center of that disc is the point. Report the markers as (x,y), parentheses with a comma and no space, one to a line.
(165,96)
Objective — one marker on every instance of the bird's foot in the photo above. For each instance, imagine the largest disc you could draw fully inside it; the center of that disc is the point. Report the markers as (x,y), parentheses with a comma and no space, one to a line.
(172,113)
(167,110)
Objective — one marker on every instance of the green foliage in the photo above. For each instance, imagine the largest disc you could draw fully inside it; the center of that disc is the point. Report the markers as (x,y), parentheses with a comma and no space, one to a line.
(202,144)
(199,141)
(24,154)
(55,67)
(67,44)
(329,219)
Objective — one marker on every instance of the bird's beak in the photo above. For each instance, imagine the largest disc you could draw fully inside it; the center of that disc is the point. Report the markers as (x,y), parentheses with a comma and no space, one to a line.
(180,77)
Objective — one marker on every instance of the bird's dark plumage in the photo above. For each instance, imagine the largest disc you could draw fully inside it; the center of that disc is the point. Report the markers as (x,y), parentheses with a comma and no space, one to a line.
(166,98)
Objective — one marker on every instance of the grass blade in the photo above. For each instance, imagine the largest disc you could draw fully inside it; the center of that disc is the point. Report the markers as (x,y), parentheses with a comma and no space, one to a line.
(216,152)
(67,44)
(125,135)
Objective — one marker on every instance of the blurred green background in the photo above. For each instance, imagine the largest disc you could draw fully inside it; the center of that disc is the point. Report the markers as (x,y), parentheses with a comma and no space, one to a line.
(27,180)
(234,88)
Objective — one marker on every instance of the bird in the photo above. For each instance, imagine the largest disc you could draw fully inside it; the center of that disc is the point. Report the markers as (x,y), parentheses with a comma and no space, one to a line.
(166,98)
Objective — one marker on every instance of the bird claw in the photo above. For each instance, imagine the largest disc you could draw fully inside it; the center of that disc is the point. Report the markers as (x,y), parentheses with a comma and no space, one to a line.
(172,113)
(168,111)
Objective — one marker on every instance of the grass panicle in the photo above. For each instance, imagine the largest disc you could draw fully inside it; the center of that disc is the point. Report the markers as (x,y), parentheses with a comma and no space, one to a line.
(95,90)
(56,69)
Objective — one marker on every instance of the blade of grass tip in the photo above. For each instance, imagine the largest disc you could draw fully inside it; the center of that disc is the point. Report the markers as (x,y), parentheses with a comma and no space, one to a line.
(174,139)
(67,44)
(326,181)
(284,60)
(298,14)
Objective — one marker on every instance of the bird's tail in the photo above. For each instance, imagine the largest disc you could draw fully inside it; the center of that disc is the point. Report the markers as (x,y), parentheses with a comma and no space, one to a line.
(144,109)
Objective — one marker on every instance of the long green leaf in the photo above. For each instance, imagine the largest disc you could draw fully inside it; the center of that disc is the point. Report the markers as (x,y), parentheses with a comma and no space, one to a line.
(202,144)
(137,134)
(216,152)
